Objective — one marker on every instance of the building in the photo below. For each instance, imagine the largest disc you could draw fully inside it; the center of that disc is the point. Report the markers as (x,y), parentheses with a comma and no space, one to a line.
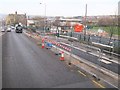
(13,19)
(66,24)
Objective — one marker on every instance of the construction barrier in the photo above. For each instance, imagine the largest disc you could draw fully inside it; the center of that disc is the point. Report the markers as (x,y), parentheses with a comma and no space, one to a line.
(48,45)
(59,45)
(49,42)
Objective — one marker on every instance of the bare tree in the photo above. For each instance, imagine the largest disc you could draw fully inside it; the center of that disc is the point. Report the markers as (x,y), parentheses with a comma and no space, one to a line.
(111,22)
(113,26)
(39,21)
(57,21)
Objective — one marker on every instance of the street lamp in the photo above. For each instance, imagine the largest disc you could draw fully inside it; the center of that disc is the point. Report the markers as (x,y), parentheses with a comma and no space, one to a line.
(112,49)
(44,17)
(85,22)
(99,51)
(71,31)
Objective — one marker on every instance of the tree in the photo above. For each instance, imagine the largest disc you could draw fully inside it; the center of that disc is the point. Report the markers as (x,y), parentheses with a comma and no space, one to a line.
(39,21)
(113,26)
(110,22)
(57,21)
(57,24)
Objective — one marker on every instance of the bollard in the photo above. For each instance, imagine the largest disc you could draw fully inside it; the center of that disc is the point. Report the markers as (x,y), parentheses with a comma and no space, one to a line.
(43,45)
(42,40)
(62,56)
(96,77)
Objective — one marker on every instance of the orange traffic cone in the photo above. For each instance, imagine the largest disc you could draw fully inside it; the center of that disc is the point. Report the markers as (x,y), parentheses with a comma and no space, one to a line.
(62,56)
(43,45)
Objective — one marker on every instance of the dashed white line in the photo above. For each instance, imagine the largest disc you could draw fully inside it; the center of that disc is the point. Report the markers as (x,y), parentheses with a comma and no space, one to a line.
(105,61)
(105,58)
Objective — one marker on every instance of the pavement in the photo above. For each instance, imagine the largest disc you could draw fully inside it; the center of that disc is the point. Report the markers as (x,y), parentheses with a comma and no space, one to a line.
(26,65)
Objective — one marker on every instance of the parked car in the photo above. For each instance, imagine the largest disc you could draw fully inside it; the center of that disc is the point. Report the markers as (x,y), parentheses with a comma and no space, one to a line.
(12,28)
(9,29)
(2,30)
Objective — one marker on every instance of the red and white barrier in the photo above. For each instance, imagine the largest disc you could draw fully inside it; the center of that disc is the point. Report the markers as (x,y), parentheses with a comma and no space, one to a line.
(59,45)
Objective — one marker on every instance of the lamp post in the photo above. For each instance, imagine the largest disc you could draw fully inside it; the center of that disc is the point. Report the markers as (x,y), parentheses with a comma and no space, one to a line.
(85,22)
(71,31)
(99,51)
(112,49)
(44,17)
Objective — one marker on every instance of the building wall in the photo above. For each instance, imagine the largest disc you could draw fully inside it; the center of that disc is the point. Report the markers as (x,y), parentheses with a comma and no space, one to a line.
(10,19)
(16,18)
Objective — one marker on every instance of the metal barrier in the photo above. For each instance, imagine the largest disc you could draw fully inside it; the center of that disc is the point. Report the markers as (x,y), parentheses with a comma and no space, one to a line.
(48,45)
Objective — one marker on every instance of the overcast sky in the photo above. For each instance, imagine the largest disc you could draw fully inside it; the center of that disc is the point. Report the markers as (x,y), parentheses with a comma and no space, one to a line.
(60,7)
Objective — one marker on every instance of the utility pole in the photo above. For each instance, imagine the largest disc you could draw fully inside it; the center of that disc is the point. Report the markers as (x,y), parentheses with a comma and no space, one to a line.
(85,22)
(44,18)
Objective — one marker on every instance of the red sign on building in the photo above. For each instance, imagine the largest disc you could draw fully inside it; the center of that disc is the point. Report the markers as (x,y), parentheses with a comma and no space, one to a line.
(78,28)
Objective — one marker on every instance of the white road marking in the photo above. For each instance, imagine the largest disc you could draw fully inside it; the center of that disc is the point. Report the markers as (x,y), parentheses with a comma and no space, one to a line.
(102,45)
(105,61)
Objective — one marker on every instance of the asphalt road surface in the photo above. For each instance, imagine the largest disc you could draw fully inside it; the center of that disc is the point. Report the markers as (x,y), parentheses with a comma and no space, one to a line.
(26,65)
(112,66)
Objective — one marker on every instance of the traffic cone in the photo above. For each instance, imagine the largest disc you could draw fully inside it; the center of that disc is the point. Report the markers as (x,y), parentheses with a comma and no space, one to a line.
(43,45)
(42,40)
(62,56)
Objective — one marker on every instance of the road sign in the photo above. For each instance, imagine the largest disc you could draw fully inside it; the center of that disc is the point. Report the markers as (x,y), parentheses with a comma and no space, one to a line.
(78,28)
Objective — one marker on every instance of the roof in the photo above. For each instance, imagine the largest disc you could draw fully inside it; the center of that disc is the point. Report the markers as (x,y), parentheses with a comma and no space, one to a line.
(30,21)
(74,20)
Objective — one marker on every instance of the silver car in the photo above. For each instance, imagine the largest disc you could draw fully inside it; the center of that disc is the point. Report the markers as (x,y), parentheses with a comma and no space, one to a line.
(2,30)
(8,29)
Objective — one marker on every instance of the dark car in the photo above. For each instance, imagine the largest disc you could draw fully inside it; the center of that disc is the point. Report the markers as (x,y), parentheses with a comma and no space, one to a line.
(19,29)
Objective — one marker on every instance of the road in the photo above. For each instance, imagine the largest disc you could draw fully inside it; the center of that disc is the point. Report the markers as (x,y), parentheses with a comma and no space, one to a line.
(26,65)
(90,56)
(94,59)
